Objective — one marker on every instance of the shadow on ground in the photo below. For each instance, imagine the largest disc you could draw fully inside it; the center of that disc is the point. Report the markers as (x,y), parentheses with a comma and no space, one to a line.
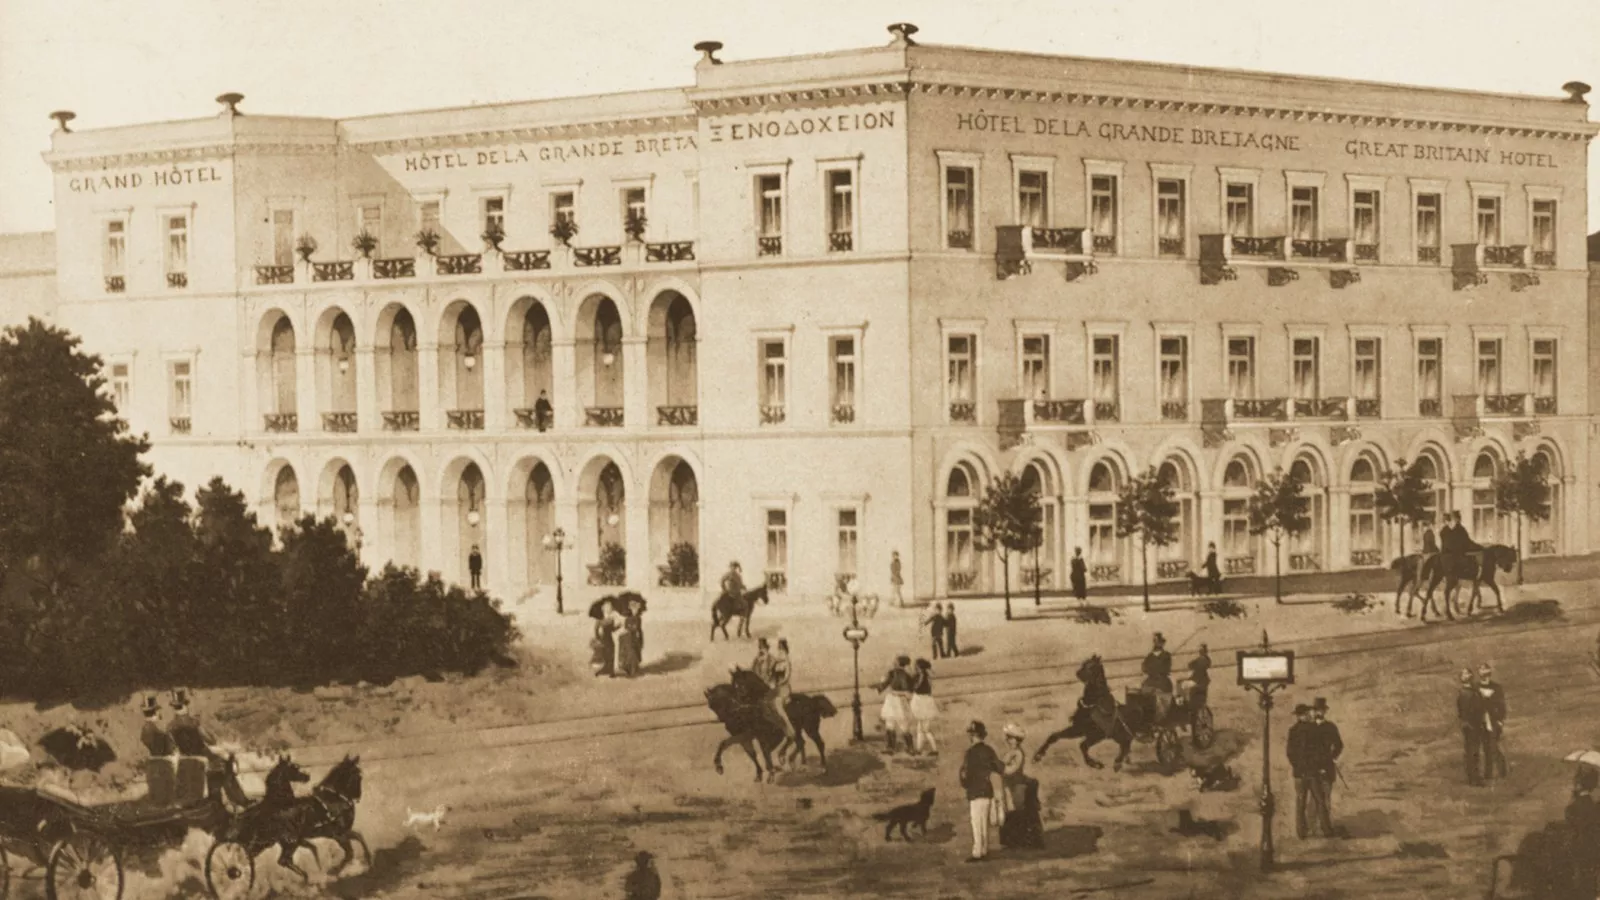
(674,661)
(846,765)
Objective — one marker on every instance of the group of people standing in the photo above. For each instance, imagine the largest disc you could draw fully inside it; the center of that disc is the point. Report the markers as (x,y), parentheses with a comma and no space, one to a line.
(1314,749)
(941,625)
(618,644)
(1481,712)
(908,706)
(1016,813)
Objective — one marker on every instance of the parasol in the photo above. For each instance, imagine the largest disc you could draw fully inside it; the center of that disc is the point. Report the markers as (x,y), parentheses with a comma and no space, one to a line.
(599,608)
(1587,757)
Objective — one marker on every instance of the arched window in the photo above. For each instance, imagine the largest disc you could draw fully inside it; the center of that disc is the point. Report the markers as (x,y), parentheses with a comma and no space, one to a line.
(1305,549)
(1238,544)
(1044,565)
(1105,548)
(1175,559)
(1365,549)
(1485,518)
(283,368)
(286,497)
(961,562)
(1544,535)
(1438,502)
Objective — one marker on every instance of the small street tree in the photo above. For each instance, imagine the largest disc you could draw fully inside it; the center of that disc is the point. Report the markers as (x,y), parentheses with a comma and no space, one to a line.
(1279,510)
(1007,522)
(1523,490)
(1402,497)
(1147,509)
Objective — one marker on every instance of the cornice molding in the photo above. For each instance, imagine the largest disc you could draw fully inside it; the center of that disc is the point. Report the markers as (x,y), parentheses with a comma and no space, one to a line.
(531,133)
(75,163)
(863,92)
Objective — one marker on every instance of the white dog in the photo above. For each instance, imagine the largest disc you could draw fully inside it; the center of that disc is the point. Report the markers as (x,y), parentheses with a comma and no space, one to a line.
(418,819)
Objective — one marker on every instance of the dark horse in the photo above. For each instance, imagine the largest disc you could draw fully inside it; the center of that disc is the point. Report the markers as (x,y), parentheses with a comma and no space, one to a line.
(1415,570)
(1098,717)
(1456,568)
(728,607)
(738,705)
(292,822)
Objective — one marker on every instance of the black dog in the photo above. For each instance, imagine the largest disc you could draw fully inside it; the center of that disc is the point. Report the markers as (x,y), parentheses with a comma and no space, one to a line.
(1214,778)
(911,814)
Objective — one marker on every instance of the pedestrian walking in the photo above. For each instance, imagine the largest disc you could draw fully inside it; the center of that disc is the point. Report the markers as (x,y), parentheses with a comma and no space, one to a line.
(1080,575)
(1020,826)
(1213,572)
(630,643)
(1199,684)
(896,581)
(1469,715)
(475,567)
(924,709)
(950,649)
(1493,700)
(978,769)
(604,648)
(896,711)
(933,620)
(1328,746)
(1303,764)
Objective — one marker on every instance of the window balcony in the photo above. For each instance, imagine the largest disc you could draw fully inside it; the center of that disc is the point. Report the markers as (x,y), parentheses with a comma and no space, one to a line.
(1366,558)
(1170,246)
(333,271)
(529,418)
(602,416)
(843,413)
(1330,250)
(275,274)
(1544,259)
(1337,408)
(1305,562)
(403,420)
(1472,264)
(769,246)
(671,251)
(1366,253)
(1506,405)
(1239,565)
(841,241)
(961,581)
(115,284)
(1105,573)
(1107,411)
(526,260)
(1542,547)
(464,419)
(959,240)
(1074,420)
(1369,407)
(1105,244)
(1544,406)
(1174,411)
(594,257)
(1430,407)
(777,580)
(964,411)
(339,422)
(1167,569)
(398,267)
(177,279)
(1018,247)
(1428,255)
(773,414)
(1260,409)
(281,423)
(678,416)
(180,424)
(459,264)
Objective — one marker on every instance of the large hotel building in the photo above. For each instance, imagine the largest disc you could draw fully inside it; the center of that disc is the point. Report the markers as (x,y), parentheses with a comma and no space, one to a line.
(807,308)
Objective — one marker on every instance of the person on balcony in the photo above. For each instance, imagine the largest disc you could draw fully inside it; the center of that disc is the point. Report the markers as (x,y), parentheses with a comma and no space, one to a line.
(475,567)
(543,413)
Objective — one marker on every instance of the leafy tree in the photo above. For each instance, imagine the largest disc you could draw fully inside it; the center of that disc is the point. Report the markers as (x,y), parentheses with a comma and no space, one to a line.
(321,581)
(1279,510)
(235,615)
(1403,496)
(1523,490)
(1148,510)
(1007,521)
(68,465)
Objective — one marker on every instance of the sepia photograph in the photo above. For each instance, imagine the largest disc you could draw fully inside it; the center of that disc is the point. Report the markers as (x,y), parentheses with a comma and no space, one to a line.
(622,451)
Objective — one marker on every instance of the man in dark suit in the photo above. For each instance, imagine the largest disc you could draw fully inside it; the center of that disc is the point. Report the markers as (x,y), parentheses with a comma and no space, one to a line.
(1469,714)
(475,567)
(1492,699)
(1213,572)
(950,648)
(543,412)
(155,739)
(978,769)
(1303,764)
(1328,745)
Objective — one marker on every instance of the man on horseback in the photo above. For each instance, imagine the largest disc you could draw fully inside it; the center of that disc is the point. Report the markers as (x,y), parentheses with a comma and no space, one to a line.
(1157,670)
(733,582)
(770,668)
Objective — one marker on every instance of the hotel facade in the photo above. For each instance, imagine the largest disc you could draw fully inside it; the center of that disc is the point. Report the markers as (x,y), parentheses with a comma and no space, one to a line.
(805,310)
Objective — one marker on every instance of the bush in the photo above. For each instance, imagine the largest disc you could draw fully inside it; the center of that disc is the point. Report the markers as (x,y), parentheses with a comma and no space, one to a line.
(1355,603)
(1223,608)
(683,565)
(613,564)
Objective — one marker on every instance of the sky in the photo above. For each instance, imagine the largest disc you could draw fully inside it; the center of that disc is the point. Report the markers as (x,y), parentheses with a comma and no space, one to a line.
(116,63)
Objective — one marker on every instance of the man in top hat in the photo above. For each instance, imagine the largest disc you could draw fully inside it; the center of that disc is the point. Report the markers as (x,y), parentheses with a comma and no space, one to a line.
(155,739)
(1469,714)
(185,730)
(1303,763)
(1327,745)
(733,582)
(951,649)
(1492,701)
(1157,670)
(978,770)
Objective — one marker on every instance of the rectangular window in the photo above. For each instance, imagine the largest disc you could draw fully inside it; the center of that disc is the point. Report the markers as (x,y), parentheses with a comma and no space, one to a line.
(1367,370)
(1103,212)
(1429,208)
(180,402)
(778,543)
(1364,220)
(116,250)
(121,386)
(1235,528)
(1103,534)
(959,360)
(1241,209)
(774,381)
(841,210)
(1489,367)
(958,209)
(1544,369)
(633,206)
(849,541)
(959,556)
(1303,220)
(1170,217)
(1033,199)
(1036,366)
(1106,377)
(1363,521)
(1242,368)
(1304,368)
(1174,377)
(843,351)
(177,245)
(563,207)
(1430,376)
(1489,221)
(428,216)
(283,237)
(372,223)
(1544,232)
(494,214)
(769,205)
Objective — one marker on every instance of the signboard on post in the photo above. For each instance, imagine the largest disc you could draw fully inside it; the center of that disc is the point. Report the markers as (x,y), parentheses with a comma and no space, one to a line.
(1262,668)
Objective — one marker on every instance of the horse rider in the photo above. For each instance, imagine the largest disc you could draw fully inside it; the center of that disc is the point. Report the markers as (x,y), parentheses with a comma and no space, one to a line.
(782,673)
(1455,543)
(1157,670)
(765,666)
(733,582)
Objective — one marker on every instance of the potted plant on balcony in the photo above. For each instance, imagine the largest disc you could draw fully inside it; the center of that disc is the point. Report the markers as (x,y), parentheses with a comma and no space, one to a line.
(613,564)
(428,242)
(364,243)
(564,230)
(634,224)
(683,565)
(493,236)
(305,245)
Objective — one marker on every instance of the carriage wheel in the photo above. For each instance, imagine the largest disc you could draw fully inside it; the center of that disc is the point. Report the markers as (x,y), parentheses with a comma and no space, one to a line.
(84,867)
(230,870)
(1204,730)
(1167,749)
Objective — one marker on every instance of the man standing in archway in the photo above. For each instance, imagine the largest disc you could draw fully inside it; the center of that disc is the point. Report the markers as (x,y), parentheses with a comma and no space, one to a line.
(475,567)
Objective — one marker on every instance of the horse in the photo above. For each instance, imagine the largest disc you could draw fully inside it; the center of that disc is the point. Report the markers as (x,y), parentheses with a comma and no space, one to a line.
(291,821)
(728,607)
(1465,567)
(740,707)
(1098,717)
(1415,569)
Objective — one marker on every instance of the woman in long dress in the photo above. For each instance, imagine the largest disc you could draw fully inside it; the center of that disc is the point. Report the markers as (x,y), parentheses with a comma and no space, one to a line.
(924,709)
(1022,826)
(605,649)
(630,644)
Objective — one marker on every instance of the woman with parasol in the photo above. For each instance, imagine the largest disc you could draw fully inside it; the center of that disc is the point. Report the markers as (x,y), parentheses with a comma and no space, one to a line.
(604,645)
(630,643)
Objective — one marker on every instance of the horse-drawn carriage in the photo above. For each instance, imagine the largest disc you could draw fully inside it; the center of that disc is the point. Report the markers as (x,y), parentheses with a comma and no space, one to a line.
(1100,717)
(1183,714)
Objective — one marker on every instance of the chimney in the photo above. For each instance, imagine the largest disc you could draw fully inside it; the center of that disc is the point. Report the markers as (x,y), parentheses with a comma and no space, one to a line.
(1575,91)
(902,32)
(708,49)
(62,117)
(230,104)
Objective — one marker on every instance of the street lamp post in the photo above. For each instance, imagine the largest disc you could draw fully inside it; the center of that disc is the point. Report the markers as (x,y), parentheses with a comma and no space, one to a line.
(555,542)
(1266,671)
(855,634)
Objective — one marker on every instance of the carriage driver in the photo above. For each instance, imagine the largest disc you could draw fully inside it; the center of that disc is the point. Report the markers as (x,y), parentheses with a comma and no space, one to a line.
(733,582)
(1157,670)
